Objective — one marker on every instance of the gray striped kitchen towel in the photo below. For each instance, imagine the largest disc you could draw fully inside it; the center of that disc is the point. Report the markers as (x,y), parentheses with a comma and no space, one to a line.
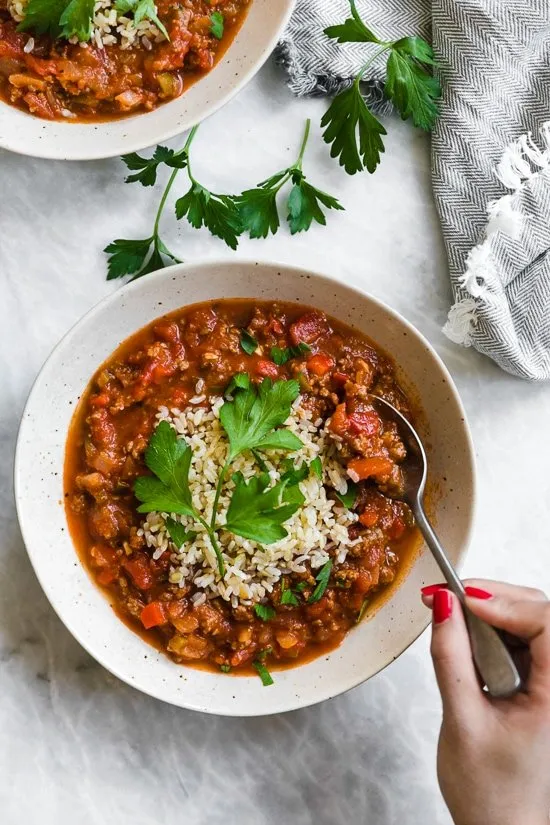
(490,152)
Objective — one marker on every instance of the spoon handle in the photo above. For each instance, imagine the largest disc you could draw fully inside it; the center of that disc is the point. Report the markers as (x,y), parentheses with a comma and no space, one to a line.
(493,660)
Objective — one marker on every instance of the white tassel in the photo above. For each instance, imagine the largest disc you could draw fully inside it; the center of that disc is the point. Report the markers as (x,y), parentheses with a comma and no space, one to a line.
(503,218)
(520,156)
(462,320)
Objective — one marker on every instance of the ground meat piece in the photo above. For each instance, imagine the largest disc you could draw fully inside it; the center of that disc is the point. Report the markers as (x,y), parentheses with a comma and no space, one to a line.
(189,646)
(212,620)
(109,521)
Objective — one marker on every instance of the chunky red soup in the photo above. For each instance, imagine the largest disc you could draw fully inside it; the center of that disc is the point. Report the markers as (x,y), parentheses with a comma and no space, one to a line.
(123,68)
(272,585)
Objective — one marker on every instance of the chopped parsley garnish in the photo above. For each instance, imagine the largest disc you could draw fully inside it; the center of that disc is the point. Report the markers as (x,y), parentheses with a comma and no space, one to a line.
(348,498)
(76,20)
(281,356)
(143,10)
(217,24)
(225,668)
(317,467)
(287,596)
(178,533)
(248,342)
(321,578)
(363,609)
(264,612)
(263,672)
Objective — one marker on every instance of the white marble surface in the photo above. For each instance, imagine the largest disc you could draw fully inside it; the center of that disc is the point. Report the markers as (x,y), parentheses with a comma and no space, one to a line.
(79,747)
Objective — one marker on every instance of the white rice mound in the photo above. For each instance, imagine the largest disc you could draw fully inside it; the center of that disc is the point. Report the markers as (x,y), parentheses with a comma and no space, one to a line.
(109,26)
(316,532)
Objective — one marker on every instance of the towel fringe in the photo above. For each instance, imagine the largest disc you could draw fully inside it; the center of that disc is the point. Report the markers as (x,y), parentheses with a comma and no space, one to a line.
(521,161)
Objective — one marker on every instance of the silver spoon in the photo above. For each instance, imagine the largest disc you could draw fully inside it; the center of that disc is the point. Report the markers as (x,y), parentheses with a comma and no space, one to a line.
(493,660)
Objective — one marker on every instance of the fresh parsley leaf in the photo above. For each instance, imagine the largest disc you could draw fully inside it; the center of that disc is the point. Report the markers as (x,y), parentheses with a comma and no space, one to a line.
(363,609)
(76,20)
(264,612)
(257,512)
(143,9)
(249,420)
(415,47)
(42,16)
(287,596)
(281,356)
(217,24)
(412,89)
(218,213)
(248,342)
(304,205)
(169,458)
(261,463)
(225,668)
(263,673)
(178,533)
(258,211)
(146,168)
(353,132)
(293,475)
(316,467)
(352,30)
(348,498)
(240,381)
(126,256)
(300,587)
(321,578)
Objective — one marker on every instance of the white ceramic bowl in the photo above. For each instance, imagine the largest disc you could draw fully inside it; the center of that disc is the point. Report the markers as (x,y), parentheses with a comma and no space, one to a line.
(84,609)
(258,36)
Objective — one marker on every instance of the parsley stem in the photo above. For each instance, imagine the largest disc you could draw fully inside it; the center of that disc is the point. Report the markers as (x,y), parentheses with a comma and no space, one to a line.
(298,164)
(384,48)
(170,183)
(214,542)
(221,480)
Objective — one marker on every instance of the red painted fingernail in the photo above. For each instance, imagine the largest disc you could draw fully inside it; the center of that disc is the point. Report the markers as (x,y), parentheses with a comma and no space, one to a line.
(443,606)
(478,593)
(430,589)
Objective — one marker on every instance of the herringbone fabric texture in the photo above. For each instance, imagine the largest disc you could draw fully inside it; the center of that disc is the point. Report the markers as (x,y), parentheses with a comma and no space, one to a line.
(490,152)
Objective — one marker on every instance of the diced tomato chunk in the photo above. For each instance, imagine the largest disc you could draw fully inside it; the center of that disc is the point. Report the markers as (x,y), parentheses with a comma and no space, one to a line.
(308,328)
(107,576)
(364,421)
(139,571)
(397,528)
(103,556)
(363,583)
(169,332)
(339,421)
(361,468)
(369,517)
(320,364)
(266,369)
(153,614)
(275,326)
(340,378)
(101,400)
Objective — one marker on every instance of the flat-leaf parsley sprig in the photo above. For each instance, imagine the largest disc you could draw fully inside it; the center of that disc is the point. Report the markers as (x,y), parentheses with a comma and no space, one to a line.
(254,212)
(253,421)
(353,132)
(258,206)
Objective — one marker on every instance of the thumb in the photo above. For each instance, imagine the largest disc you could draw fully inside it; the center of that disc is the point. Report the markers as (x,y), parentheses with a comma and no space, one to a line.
(528,618)
(452,657)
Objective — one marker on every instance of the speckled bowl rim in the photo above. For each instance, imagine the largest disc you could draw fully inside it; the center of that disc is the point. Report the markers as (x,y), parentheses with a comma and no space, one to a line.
(25,134)
(323,692)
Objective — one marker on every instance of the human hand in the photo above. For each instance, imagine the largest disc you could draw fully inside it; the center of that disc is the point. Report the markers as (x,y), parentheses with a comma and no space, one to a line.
(493,759)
